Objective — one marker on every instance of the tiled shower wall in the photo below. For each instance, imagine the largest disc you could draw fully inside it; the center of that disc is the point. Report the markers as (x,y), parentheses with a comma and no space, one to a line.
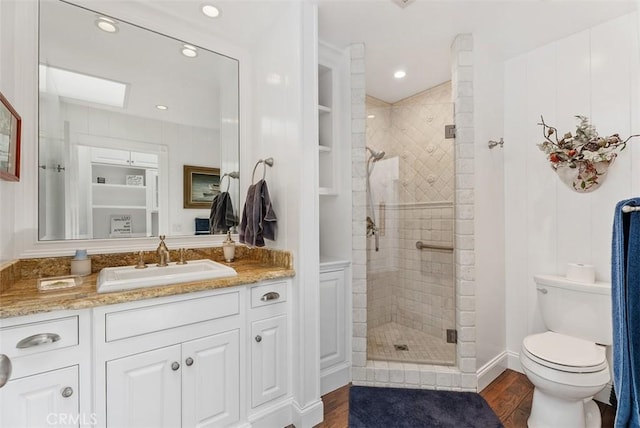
(413,188)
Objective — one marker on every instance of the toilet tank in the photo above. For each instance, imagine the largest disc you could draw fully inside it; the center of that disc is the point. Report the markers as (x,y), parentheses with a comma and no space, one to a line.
(576,309)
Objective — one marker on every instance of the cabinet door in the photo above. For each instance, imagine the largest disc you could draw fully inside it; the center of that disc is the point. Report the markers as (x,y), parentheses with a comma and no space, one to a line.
(47,399)
(211,381)
(112,156)
(268,359)
(146,160)
(332,319)
(143,390)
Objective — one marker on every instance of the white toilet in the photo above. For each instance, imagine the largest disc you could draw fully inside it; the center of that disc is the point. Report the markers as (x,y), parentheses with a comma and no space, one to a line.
(567,365)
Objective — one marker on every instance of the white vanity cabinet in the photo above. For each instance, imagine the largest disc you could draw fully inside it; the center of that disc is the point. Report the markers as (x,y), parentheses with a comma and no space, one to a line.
(49,384)
(193,384)
(170,362)
(208,359)
(269,333)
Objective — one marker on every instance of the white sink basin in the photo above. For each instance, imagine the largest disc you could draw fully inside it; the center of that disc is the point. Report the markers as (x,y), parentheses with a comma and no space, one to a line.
(129,278)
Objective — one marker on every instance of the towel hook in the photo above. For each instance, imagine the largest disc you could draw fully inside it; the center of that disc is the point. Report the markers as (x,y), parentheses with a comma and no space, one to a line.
(493,144)
(265,162)
(230,175)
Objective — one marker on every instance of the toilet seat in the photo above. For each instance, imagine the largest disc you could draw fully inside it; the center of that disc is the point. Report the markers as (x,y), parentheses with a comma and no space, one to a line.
(565,353)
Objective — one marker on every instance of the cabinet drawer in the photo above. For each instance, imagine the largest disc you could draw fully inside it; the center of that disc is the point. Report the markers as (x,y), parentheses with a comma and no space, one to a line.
(43,336)
(135,322)
(268,294)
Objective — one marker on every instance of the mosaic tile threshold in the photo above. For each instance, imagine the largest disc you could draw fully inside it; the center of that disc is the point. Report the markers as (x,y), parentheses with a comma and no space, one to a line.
(422,347)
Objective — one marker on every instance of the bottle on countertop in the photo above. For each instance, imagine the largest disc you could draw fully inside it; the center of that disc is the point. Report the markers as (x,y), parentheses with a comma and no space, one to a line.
(81,264)
(229,248)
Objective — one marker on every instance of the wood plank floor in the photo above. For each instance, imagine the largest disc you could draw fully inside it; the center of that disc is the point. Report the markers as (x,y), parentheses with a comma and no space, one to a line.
(509,396)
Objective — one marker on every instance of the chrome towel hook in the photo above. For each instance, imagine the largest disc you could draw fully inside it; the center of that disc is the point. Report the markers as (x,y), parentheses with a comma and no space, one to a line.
(492,143)
(266,162)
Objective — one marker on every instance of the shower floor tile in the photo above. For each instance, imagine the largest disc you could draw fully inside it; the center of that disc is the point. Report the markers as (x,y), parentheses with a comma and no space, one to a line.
(423,348)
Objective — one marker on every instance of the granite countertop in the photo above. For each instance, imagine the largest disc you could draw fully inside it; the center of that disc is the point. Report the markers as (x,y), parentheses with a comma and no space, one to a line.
(20,295)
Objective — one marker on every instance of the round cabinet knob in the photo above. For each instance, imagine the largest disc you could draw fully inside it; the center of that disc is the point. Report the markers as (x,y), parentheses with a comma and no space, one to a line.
(189,361)
(258,338)
(175,366)
(67,392)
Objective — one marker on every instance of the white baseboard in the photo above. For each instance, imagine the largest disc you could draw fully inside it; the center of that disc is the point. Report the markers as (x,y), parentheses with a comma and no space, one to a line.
(513,361)
(309,416)
(279,415)
(491,370)
(335,377)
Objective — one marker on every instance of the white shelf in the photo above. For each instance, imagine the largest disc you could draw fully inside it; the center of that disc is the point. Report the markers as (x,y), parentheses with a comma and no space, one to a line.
(325,149)
(324,109)
(117,186)
(325,191)
(119,207)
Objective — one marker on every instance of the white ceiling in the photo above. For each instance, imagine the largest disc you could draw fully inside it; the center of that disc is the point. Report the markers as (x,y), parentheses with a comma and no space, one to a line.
(418,38)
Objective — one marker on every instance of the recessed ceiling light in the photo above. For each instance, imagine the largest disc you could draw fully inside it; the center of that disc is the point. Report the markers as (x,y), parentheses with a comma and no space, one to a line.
(399,74)
(189,51)
(107,25)
(211,11)
(371,116)
(161,107)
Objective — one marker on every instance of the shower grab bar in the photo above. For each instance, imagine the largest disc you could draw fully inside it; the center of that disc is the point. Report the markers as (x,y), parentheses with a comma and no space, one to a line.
(422,246)
(630,208)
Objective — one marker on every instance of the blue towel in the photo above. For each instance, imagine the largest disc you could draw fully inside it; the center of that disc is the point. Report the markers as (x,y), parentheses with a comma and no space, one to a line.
(258,217)
(625,295)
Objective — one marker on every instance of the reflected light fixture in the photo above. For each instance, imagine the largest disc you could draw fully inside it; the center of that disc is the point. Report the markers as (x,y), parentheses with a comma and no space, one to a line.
(107,25)
(189,51)
(81,87)
(162,107)
(371,116)
(399,74)
(210,10)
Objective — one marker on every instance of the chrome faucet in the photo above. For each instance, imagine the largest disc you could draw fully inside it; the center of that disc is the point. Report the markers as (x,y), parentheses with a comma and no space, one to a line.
(163,252)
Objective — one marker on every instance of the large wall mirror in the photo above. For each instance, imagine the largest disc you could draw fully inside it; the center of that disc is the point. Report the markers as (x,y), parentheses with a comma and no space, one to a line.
(130,120)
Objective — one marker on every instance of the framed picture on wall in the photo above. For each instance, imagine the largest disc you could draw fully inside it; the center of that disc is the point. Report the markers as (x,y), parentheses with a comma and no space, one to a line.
(10,125)
(201,184)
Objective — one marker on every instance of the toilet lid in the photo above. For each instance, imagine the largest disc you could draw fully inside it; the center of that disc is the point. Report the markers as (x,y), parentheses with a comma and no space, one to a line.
(565,353)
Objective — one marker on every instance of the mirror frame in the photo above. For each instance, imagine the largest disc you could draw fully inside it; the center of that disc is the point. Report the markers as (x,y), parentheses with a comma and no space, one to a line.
(145,15)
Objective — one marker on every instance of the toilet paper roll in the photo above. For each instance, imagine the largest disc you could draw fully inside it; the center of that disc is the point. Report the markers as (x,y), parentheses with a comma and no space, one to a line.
(580,272)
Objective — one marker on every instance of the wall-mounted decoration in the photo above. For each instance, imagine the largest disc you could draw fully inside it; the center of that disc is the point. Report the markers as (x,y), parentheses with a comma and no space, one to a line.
(201,184)
(581,160)
(10,125)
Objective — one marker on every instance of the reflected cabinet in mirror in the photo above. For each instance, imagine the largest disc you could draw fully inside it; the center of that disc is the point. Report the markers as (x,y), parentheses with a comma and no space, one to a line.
(122,111)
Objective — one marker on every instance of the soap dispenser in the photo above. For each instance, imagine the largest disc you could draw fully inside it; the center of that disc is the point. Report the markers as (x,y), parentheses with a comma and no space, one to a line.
(229,248)
(81,264)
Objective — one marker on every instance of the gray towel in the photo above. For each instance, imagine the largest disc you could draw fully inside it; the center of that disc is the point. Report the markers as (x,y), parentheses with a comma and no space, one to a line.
(221,218)
(258,218)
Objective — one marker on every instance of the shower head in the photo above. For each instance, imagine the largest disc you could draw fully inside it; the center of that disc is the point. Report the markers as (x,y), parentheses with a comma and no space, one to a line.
(376,155)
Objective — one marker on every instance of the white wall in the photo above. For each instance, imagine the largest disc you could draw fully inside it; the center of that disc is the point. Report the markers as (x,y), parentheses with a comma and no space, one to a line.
(284,100)
(594,73)
(489,211)
(8,89)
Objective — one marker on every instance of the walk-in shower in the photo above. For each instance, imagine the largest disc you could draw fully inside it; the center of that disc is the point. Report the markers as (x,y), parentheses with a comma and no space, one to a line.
(410,186)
